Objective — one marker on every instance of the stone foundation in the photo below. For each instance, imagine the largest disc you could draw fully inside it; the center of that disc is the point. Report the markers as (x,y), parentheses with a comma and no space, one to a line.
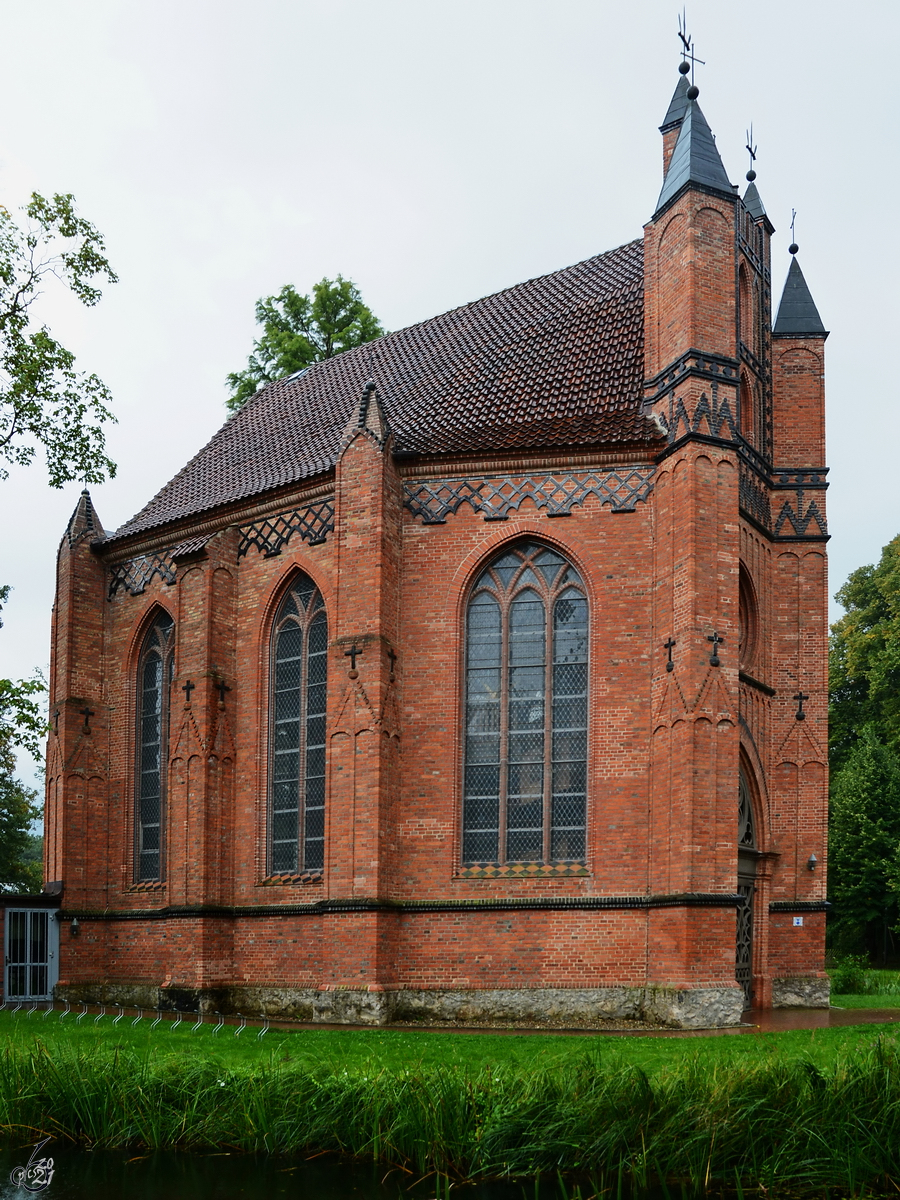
(801,991)
(678,1008)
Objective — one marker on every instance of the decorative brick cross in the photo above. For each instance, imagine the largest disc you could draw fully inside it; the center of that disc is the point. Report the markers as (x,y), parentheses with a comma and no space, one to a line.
(670,666)
(353,653)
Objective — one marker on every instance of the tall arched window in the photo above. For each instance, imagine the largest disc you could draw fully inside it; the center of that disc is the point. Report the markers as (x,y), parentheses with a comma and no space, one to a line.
(526,711)
(297,736)
(155,670)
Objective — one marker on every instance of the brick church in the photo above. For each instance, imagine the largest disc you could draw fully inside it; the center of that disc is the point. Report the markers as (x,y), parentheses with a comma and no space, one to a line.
(477,674)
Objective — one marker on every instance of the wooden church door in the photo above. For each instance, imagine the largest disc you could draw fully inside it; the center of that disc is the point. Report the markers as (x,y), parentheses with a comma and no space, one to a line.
(746,887)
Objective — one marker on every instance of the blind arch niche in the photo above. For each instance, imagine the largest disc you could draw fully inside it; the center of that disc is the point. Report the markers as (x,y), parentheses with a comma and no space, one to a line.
(525,712)
(297,703)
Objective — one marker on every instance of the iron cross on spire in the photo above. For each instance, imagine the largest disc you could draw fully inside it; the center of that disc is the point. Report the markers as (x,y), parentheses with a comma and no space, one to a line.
(751,150)
(687,45)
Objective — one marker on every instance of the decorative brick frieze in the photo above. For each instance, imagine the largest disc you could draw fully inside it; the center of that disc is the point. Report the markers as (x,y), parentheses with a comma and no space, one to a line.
(804,521)
(270,535)
(495,497)
(754,498)
(134,575)
(714,367)
(799,518)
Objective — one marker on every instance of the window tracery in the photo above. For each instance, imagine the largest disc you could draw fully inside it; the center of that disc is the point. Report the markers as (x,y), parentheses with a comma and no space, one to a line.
(525,773)
(155,673)
(299,650)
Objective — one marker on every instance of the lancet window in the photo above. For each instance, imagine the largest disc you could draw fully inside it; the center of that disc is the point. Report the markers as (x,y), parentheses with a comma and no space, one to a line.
(155,671)
(297,732)
(525,774)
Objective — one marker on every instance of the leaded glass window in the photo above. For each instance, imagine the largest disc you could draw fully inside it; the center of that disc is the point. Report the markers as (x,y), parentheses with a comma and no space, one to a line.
(297,774)
(155,671)
(525,775)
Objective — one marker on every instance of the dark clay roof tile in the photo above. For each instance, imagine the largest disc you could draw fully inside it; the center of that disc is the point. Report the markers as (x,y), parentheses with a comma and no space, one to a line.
(553,362)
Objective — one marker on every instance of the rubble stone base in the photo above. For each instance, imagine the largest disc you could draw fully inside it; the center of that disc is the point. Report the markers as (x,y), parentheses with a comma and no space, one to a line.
(801,991)
(679,1008)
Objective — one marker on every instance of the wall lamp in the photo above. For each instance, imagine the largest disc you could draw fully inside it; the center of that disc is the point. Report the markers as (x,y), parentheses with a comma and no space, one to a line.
(74,928)
(811,863)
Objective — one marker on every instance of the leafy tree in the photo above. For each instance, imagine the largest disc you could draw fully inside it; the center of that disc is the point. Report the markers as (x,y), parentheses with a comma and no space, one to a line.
(864,660)
(44,401)
(301,330)
(20,864)
(864,846)
(22,723)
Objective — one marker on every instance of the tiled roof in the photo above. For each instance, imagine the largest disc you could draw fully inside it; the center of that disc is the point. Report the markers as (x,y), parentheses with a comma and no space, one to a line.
(554,362)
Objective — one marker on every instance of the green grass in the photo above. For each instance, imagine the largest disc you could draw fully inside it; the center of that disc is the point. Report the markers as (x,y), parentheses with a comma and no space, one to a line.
(402,1049)
(802,1108)
(878,1000)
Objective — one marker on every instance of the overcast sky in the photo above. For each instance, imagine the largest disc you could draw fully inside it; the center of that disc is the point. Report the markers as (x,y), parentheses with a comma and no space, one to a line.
(433,152)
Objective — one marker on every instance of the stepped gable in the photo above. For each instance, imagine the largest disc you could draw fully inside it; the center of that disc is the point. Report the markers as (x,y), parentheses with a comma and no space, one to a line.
(554,362)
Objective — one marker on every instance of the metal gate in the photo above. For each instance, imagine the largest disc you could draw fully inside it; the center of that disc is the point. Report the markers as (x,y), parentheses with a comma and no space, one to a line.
(31,954)
(743,963)
(746,886)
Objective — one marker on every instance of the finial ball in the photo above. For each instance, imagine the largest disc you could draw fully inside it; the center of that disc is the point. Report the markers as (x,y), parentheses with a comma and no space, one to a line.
(683,68)
(793,248)
(751,175)
(693,92)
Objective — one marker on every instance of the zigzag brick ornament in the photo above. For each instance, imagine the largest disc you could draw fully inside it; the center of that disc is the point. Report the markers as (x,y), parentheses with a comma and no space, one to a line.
(457,676)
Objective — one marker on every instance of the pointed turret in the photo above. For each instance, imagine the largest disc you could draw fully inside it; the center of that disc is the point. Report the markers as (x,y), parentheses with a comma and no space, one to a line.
(672,121)
(84,522)
(695,158)
(678,106)
(797,312)
(753,202)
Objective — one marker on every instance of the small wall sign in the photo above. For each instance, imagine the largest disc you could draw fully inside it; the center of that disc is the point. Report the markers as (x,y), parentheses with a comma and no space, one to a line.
(798,920)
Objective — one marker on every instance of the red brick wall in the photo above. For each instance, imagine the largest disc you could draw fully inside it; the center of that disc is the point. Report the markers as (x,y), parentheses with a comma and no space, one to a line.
(663,745)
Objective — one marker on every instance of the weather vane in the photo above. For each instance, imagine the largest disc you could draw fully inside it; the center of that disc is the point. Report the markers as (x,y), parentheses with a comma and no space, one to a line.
(793,247)
(751,150)
(687,50)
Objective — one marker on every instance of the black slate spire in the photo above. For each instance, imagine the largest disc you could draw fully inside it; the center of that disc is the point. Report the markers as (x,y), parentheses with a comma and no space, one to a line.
(797,312)
(695,158)
(753,202)
(677,107)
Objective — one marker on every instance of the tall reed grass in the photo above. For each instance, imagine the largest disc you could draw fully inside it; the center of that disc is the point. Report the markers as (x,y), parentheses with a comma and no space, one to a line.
(774,1122)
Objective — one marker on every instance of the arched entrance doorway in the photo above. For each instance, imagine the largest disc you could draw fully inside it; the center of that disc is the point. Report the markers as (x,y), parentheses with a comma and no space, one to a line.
(746,886)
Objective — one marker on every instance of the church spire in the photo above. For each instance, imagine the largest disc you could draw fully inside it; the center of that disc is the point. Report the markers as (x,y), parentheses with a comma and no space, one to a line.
(671,125)
(695,158)
(797,312)
(753,202)
(678,105)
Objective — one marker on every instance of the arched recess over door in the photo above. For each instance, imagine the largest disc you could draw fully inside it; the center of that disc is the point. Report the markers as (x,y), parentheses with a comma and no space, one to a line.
(747,856)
